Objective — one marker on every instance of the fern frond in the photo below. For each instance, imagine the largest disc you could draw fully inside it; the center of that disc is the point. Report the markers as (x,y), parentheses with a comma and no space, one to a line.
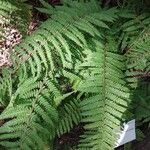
(5,87)
(136,23)
(69,116)
(134,27)
(138,61)
(32,117)
(29,124)
(60,41)
(103,108)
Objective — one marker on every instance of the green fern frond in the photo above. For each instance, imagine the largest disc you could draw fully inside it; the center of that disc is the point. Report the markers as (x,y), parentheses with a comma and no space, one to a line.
(32,117)
(134,27)
(5,87)
(138,62)
(136,23)
(69,116)
(30,124)
(60,41)
(103,109)
(139,51)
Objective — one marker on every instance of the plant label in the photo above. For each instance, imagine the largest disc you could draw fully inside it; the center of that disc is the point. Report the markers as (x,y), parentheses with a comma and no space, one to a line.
(126,134)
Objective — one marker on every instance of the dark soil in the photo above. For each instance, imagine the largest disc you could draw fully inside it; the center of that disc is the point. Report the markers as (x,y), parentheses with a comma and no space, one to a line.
(144,144)
(72,138)
(139,145)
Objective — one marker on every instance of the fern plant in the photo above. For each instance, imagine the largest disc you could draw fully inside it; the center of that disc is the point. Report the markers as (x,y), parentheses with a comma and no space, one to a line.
(72,70)
(59,42)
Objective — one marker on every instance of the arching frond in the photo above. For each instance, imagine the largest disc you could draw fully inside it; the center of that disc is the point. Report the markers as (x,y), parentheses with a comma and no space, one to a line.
(103,108)
(30,117)
(60,41)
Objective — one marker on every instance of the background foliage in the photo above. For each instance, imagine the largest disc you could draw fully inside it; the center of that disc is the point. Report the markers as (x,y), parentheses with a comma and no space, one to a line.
(87,64)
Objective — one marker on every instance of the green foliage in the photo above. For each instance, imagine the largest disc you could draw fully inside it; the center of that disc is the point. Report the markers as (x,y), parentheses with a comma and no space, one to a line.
(32,116)
(69,116)
(103,110)
(74,68)
(138,62)
(33,112)
(60,41)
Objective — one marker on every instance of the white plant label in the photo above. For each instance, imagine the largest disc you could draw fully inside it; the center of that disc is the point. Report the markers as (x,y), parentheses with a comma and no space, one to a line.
(127,134)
